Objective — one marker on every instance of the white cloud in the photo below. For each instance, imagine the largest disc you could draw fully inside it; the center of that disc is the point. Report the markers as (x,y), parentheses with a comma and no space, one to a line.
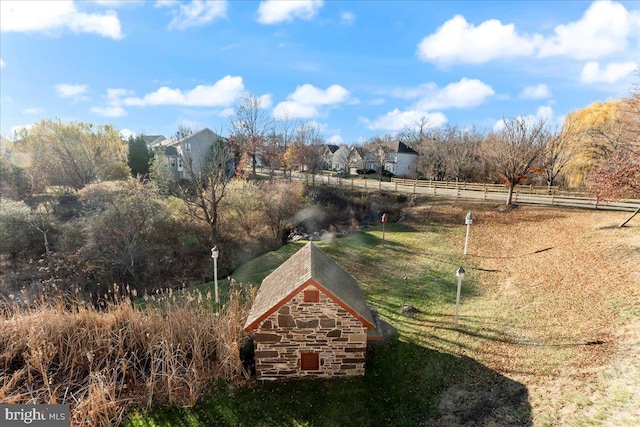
(53,16)
(126,133)
(266,101)
(397,120)
(1,63)
(75,91)
(306,101)
(539,91)
(613,72)
(109,111)
(604,29)
(114,107)
(347,18)
(165,3)
(276,11)
(198,13)
(466,93)
(459,41)
(544,113)
(336,140)
(227,112)
(221,94)
(118,3)
(19,128)
(33,111)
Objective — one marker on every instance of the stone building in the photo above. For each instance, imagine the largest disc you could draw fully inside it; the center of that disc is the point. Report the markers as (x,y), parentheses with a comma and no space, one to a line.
(310,320)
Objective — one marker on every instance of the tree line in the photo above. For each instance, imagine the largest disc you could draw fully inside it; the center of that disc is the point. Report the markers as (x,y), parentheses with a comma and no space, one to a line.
(92,209)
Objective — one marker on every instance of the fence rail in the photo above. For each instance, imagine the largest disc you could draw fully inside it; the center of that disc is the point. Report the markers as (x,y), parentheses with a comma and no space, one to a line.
(523,194)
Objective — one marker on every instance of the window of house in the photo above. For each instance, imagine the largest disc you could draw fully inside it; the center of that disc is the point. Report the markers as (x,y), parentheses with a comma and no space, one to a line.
(311,296)
(309,361)
(180,164)
(172,162)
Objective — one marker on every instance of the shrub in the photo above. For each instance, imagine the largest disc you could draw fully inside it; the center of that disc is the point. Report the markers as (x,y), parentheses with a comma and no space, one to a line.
(16,233)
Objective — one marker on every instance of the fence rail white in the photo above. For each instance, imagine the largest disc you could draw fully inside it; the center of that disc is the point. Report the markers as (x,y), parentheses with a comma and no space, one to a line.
(523,194)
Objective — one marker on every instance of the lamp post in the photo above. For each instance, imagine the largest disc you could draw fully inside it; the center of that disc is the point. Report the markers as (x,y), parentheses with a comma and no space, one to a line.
(214,254)
(467,220)
(460,276)
(384,223)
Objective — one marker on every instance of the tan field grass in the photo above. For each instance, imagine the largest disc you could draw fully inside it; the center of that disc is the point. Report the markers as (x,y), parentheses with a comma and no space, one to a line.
(105,362)
(556,307)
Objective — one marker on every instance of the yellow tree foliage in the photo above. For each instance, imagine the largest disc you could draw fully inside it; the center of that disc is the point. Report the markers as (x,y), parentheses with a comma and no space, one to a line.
(74,154)
(598,131)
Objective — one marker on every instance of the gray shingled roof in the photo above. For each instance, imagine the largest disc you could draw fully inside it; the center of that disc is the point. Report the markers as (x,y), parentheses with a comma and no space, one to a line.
(309,263)
(401,147)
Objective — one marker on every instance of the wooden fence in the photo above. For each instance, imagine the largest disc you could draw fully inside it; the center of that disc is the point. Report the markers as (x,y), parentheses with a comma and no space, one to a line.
(523,194)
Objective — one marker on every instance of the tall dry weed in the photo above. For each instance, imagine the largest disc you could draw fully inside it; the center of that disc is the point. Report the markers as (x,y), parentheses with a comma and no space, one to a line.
(105,362)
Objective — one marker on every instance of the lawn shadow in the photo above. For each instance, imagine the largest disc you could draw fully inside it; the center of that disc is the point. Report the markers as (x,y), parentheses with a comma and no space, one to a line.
(405,385)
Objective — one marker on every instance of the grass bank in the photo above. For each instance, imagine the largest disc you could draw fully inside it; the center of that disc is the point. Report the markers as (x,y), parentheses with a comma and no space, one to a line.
(405,380)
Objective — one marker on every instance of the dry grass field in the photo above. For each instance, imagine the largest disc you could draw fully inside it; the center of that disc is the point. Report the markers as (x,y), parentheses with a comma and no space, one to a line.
(556,307)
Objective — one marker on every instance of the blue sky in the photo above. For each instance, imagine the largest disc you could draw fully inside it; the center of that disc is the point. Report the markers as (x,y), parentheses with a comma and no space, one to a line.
(357,69)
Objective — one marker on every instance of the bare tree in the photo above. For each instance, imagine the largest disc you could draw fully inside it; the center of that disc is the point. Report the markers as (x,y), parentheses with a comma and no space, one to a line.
(206,185)
(617,174)
(514,150)
(250,125)
(556,155)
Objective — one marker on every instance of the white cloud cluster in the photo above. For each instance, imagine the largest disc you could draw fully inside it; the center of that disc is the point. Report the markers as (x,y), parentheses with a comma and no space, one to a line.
(544,113)
(69,90)
(539,91)
(277,11)
(459,41)
(222,93)
(466,93)
(605,28)
(347,18)
(196,13)
(307,101)
(55,16)
(114,107)
(613,72)
(397,120)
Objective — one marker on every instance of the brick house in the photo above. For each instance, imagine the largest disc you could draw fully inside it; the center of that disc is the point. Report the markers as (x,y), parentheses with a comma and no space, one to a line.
(310,320)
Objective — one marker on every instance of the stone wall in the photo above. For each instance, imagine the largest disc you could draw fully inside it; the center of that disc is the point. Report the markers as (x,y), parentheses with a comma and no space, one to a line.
(322,327)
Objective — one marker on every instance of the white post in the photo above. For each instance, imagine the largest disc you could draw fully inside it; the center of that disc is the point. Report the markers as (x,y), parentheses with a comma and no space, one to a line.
(460,276)
(214,255)
(215,279)
(468,220)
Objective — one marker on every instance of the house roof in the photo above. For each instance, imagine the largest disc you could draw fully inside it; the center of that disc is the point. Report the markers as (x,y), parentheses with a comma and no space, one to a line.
(401,147)
(333,148)
(153,139)
(309,266)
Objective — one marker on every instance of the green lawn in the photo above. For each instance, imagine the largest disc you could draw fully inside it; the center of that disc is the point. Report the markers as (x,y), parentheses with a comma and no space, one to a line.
(404,379)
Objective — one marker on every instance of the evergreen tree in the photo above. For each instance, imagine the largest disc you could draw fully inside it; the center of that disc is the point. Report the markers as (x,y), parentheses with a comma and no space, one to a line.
(139,157)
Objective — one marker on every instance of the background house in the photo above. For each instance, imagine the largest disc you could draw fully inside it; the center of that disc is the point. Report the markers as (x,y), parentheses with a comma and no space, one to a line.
(401,160)
(192,148)
(360,158)
(311,320)
(340,159)
(326,155)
